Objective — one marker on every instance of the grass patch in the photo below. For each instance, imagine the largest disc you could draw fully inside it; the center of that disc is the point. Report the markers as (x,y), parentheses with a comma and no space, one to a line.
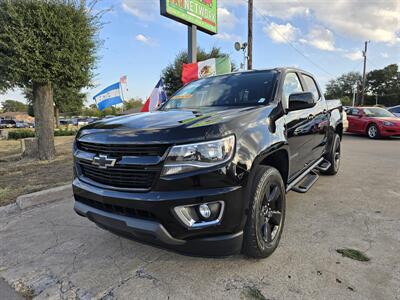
(353,254)
(28,176)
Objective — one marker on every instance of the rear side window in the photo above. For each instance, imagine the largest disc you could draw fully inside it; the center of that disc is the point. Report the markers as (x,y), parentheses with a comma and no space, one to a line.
(311,86)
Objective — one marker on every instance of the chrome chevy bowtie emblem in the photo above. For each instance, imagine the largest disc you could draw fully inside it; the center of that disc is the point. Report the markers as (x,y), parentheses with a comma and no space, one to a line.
(103,162)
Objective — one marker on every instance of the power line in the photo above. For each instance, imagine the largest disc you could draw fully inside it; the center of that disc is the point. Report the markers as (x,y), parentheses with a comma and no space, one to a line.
(291,44)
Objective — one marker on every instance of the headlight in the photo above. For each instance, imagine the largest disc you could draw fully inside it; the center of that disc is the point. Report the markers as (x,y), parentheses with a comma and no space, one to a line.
(386,123)
(191,157)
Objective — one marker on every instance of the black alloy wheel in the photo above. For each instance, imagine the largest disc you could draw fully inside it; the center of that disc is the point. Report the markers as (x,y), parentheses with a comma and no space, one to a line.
(266,214)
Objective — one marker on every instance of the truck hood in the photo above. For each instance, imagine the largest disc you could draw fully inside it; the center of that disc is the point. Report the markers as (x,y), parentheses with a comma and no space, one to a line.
(170,126)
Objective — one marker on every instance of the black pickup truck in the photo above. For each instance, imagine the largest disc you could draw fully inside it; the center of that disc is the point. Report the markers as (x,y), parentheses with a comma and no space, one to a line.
(207,173)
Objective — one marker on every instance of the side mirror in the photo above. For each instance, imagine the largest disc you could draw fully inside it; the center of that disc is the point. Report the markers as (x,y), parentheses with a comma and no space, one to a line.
(299,101)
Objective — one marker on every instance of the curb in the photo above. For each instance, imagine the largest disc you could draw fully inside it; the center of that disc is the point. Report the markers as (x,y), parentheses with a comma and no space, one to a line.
(45,196)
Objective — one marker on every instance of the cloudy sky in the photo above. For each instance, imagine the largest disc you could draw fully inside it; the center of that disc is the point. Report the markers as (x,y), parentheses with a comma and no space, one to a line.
(323,37)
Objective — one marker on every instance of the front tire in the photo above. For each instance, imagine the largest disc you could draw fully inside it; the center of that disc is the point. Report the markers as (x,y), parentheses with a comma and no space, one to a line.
(266,216)
(373,131)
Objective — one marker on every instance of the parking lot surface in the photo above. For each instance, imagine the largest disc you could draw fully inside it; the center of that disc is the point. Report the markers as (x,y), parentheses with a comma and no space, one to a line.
(50,252)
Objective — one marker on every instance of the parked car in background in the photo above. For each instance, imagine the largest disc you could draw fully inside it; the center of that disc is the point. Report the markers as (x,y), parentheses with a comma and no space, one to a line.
(374,122)
(19,124)
(395,110)
(66,122)
(7,124)
(82,121)
(91,120)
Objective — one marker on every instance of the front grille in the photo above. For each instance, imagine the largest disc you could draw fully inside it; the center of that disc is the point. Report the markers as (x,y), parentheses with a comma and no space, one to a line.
(117,209)
(123,176)
(123,149)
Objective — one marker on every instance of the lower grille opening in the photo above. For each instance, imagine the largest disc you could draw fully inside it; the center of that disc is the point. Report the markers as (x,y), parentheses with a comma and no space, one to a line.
(117,209)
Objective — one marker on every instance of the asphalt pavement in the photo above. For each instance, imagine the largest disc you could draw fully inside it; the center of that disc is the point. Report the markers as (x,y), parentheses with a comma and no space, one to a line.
(50,252)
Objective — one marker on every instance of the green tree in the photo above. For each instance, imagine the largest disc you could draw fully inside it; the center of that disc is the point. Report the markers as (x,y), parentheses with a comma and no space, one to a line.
(13,105)
(343,85)
(68,100)
(45,44)
(172,74)
(384,81)
(133,103)
(346,100)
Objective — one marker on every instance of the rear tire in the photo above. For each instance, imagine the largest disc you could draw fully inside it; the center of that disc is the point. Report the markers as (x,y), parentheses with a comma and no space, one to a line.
(266,217)
(373,131)
(333,156)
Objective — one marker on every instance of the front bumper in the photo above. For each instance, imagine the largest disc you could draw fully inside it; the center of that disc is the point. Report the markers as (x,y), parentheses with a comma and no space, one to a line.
(390,131)
(155,223)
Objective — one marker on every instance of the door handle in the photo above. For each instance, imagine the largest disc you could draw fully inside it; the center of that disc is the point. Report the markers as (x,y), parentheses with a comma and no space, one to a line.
(310,117)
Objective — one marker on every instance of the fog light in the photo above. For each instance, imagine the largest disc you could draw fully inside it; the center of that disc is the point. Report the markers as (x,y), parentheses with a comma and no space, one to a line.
(204,211)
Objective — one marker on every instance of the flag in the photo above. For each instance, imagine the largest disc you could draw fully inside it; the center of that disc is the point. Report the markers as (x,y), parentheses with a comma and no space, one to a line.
(109,96)
(123,79)
(205,68)
(157,97)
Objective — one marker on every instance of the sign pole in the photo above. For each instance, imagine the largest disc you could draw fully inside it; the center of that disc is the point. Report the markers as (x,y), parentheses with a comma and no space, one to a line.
(192,43)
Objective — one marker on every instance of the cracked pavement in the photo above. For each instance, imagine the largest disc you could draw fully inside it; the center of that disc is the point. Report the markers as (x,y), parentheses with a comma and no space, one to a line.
(49,252)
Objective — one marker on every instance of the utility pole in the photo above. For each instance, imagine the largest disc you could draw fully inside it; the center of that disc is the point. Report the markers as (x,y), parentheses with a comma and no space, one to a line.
(192,43)
(354,94)
(364,75)
(250,35)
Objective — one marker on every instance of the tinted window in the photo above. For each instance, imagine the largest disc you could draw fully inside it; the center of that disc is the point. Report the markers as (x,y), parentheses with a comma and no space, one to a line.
(311,86)
(237,89)
(395,109)
(353,112)
(291,85)
(377,112)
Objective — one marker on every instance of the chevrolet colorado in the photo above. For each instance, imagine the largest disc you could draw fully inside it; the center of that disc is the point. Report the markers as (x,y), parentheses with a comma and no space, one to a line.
(207,172)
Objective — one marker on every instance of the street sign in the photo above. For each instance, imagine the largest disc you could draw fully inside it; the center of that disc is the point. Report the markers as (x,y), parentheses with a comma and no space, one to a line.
(202,13)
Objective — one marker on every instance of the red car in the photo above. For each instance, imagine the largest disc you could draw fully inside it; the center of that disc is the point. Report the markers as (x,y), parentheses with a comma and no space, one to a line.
(373,121)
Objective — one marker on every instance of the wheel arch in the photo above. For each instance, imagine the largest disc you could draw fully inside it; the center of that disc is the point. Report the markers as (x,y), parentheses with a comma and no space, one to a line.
(369,124)
(276,156)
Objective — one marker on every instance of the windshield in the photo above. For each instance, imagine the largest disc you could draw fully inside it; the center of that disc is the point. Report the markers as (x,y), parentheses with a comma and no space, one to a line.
(238,89)
(377,112)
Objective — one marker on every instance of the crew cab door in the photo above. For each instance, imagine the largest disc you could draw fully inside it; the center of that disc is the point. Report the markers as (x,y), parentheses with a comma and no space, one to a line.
(320,116)
(300,127)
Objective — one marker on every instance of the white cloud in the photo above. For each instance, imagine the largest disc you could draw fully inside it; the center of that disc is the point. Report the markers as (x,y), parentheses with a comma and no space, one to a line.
(227,37)
(145,40)
(354,55)
(281,33)
(358,19)
(226,18)
(384,55)
(143,10)
(320,38)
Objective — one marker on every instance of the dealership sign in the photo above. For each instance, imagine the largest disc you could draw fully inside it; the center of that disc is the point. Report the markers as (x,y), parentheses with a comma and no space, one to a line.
(202,13)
